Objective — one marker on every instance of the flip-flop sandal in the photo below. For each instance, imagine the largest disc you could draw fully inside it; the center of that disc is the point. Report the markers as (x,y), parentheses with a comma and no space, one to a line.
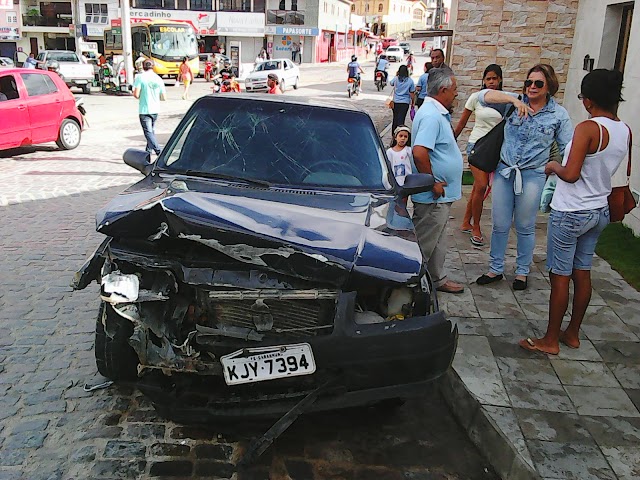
(529,345)
(477,241)
(466,230)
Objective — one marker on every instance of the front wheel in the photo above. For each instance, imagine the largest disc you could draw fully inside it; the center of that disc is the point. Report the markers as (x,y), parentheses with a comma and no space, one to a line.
(69,134)
(115,358)
(379,85)
(295,85)
(349,91)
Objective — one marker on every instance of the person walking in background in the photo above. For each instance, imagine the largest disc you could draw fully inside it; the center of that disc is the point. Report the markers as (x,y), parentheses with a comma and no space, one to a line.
(421,87)
(436,152)
(187,77)
(520,178)
(294,51)
(485,119)
(149,89)
(579,209)
(273,84)
(300,52)
(403,96)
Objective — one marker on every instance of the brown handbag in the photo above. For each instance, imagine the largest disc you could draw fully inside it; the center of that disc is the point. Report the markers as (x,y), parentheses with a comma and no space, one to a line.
(621,199)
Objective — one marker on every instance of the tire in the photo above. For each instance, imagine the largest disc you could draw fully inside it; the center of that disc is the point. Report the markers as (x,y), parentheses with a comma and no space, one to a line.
(115,358)
(69,134)
(86,89)
(379,86)
(349,91)
(295,85)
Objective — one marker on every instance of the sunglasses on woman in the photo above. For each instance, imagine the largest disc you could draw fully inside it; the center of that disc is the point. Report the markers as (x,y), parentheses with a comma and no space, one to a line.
(537,83)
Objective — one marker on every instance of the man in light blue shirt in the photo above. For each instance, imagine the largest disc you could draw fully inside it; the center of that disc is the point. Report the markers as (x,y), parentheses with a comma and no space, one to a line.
(421,87)
(435,151)
(149,89)
(382,66)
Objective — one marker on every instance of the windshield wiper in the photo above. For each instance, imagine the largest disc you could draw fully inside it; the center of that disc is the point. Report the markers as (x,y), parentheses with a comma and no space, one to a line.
(221,176)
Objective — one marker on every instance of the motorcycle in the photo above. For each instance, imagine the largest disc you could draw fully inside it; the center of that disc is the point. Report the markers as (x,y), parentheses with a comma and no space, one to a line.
(352,88)
(208,71)
(380,80)
(225,83)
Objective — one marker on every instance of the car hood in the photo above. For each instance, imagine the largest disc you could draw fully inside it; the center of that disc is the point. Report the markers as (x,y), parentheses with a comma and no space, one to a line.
(321,236)
(262,75)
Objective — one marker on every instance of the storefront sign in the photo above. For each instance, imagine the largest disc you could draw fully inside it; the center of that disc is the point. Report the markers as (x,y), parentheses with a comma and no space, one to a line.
(240,24)
(300,31)
(202,22)
(9,33)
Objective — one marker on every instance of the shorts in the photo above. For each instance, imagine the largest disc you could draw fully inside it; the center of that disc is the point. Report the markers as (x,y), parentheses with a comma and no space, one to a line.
(186,81)
(572,239)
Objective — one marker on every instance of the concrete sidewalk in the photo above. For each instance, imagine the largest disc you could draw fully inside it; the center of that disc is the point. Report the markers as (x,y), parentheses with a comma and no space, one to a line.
(570,416)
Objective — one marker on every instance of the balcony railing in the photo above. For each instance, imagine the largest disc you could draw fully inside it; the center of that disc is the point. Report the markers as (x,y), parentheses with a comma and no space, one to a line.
(285,17)
(40,21)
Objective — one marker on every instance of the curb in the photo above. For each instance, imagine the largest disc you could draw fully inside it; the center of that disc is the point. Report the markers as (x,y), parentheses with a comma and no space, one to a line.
(483,430)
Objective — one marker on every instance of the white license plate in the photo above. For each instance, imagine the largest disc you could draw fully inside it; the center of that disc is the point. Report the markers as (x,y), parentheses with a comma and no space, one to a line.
(268,363)
(81,82)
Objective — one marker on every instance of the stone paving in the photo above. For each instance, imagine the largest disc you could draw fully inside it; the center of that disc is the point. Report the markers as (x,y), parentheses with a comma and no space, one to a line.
(571,416)
(50,428)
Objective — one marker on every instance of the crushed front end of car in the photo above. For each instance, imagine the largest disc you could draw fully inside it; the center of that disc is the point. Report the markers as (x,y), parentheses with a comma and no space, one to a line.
(224,299)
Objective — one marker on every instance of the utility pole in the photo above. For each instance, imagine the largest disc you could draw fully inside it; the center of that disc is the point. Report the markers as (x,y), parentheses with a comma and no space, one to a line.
(439,13)
(126,42)
(77,25)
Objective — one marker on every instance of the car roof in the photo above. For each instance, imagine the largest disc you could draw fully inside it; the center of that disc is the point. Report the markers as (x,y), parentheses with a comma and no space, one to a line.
(25,70)
(303,101)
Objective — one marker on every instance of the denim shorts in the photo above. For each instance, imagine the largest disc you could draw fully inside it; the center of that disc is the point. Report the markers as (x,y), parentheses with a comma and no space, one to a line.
(572,239)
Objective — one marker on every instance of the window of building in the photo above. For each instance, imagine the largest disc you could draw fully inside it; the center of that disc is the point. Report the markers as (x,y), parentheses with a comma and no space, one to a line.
(380,7)
(282,6)
(202,5)
(366,8)
(149,3)
(333,9)
(353,8)
(294,5)
(96,13)
(623,38)
(12,17)
(235,5)
(169,4)
(183,4)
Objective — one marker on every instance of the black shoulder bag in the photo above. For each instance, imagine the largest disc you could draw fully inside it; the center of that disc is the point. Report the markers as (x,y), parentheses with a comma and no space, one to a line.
(485,154)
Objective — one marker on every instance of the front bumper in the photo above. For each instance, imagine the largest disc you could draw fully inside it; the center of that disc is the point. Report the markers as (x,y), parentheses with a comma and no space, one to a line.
(366,364)
(256,86)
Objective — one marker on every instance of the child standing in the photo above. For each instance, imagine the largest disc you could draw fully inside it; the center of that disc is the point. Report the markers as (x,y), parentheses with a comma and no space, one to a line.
(400,154)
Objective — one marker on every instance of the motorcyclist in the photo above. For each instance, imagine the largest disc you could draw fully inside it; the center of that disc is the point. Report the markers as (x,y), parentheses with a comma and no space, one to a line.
(354,69)
(382,66)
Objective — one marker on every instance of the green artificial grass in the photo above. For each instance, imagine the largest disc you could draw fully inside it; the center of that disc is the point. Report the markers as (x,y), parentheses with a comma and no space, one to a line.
(467,177)
(618,246)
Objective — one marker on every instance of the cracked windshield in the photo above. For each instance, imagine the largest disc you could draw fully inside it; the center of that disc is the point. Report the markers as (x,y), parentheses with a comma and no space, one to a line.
(173,42)
(279,144)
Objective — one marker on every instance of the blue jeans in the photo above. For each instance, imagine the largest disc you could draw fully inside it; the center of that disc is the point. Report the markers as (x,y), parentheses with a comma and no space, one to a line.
(148,123)
(572,239)
(508,208)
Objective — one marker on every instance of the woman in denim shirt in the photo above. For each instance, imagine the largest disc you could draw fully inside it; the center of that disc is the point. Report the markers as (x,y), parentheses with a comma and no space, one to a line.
(517,186)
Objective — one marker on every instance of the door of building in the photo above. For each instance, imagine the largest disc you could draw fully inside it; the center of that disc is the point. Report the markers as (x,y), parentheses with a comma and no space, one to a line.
(34,45)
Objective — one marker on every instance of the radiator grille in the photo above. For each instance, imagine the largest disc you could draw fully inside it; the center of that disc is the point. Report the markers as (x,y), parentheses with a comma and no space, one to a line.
(291,318)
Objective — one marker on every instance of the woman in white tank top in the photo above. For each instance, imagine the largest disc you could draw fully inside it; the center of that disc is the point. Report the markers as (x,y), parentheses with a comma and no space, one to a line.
(579,209)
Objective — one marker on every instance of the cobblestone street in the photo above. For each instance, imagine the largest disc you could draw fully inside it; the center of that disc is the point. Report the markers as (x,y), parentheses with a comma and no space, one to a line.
(50,428)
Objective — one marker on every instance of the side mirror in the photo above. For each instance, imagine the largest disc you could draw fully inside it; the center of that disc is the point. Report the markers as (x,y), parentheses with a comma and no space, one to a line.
(138,159)
(416,183)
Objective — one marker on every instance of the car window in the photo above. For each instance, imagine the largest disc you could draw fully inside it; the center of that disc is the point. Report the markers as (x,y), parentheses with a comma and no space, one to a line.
(204,58)
(8,88)
(50,84)
(269,65)
(284,144)
(40,56)
(36,84)
(63,56)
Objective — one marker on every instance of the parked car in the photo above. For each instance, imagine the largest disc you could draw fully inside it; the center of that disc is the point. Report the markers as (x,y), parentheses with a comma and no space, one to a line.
(405,47)
(266,256)
(6,62)
(74,71)
(287,71)
(388,41)
(394,54)
(38,108)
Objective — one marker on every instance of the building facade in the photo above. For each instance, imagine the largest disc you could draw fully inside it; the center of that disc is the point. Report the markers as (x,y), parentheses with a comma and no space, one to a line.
(392,18)
(606,35)
(289,23)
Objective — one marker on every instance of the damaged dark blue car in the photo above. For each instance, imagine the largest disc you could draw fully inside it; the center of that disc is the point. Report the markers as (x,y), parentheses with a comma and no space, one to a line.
(266,265)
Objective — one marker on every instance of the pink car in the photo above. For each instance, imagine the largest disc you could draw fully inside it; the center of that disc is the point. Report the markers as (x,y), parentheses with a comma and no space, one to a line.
(36,106)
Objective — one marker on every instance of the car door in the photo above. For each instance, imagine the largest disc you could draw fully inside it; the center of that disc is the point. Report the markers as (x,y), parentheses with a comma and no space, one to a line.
(45,106)
(289,73)
(14,114)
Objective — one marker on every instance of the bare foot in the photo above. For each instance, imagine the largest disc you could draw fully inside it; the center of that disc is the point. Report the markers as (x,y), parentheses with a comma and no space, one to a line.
(539,345)
(568,340)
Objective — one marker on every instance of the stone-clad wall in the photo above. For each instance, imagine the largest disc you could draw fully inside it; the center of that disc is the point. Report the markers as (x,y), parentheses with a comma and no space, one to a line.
(515,34)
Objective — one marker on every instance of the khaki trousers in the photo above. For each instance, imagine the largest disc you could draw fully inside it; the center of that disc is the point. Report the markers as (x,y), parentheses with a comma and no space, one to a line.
(430,221)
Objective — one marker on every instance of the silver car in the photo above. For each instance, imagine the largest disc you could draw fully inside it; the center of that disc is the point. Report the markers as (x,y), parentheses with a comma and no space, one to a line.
(287,72)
